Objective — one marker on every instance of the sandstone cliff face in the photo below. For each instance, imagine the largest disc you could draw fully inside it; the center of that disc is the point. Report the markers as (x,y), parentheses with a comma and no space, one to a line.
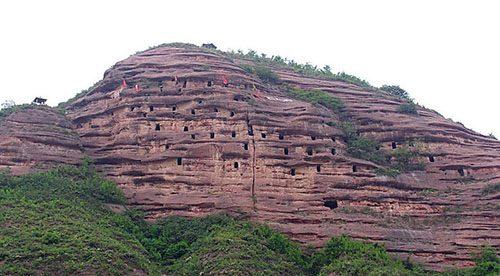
(37,138)
(185,144)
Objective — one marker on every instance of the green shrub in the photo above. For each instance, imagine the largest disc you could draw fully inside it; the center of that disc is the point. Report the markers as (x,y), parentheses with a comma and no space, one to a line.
(408,108)
(266,75)
(367,149)
(317,97)
(351,79)
(54,223)
(306,69)
(5,112)
(491,189)
(344,256)
(396,91)
(406,159)
(487,264)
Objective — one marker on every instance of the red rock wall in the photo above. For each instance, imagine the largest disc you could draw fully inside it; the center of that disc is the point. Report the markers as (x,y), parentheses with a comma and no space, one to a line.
(37,138)
(437,216)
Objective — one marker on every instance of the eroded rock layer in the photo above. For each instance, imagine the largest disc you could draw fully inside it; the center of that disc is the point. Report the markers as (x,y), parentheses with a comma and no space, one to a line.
(36,138)
(179,141)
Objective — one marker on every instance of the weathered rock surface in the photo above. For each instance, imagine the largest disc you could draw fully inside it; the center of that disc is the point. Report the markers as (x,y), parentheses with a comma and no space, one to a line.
(37,138)
(185,144)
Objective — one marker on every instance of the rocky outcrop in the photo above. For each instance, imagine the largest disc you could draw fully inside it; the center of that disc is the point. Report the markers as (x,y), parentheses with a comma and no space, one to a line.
(179,141)
(36,138)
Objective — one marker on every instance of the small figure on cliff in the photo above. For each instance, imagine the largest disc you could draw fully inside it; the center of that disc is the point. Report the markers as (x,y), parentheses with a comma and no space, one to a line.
(225,82)
(137,88)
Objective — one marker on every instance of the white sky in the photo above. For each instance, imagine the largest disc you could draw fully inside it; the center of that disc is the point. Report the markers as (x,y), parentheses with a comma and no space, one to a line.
(445,53)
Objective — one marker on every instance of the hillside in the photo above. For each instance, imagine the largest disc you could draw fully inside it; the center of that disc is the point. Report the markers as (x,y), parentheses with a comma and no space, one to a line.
(190,131)
(71,221)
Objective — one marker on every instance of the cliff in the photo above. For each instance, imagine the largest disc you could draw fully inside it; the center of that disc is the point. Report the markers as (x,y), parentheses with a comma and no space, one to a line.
(196,131)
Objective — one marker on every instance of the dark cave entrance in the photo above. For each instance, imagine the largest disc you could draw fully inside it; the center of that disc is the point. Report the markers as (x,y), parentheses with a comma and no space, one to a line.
(332,204)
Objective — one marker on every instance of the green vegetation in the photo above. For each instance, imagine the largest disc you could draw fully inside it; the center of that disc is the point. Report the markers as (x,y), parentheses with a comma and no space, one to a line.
(58,222)
(491,189)
(362,147)
(343,256)
(408,108)
(264,73)
(397,91)
(306,69)
(395,162)
(317,97)
(82,93)
(487,263)
(7,110)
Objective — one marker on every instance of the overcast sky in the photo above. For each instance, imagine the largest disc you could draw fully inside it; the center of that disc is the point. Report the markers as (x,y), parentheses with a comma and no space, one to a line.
(445,53)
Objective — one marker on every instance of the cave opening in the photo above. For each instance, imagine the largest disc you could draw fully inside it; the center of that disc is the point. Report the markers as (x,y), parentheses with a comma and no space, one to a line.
(318,168)
(132,108)
(461,172)
(209,83)
(186,128)
(245,146)
(394,145)
(167,146)
(216,109)
(233,134)
(333,151)
(292,172)
(179,161)
(157,127)
(174,108)
(151,108)
(313,138)
(236,165)
(354,168)
(263,135)
(212,135)
(285,151)
(431,159)
(309,151)
(193,136)
(250,130)
(184,84)
(193,111)
(332,204)
(281,136)
(231,114)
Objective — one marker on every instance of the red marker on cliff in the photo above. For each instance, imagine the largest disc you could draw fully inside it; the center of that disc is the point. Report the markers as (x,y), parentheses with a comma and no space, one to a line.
(124,84)
(225,82)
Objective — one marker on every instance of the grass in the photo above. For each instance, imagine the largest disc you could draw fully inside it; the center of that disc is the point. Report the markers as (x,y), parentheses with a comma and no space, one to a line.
(317,97)
(408,108)
(57,223)
(264,73)
(492,188)
(5,112)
